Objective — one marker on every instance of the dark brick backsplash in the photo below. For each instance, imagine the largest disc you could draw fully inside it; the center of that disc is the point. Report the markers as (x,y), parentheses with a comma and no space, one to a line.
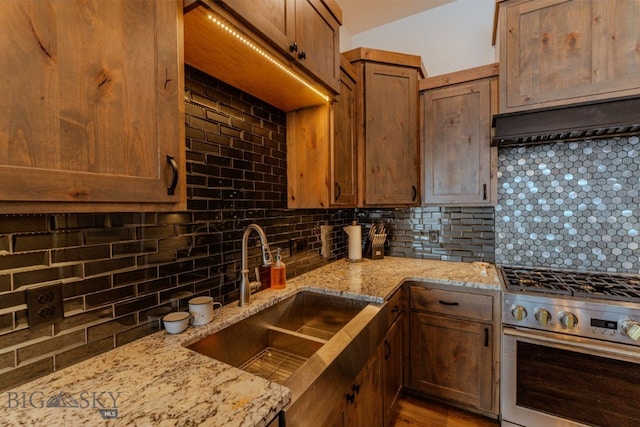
(465,233)
(116,267)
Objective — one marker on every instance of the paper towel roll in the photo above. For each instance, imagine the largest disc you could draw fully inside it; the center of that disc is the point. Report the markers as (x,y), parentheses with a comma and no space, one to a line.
(355,241)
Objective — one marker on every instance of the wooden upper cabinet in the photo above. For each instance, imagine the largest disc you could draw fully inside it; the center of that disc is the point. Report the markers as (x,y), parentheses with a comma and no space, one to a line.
(344,153)
(557,52)
(391,149)
(309,133)
(387,123)
(274,19)
(307,31)
(91,106)
(459,163)
(318,41)
(321,151)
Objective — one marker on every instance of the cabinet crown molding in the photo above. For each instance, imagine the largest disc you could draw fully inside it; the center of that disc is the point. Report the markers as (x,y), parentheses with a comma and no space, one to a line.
(481,72)
(386,57)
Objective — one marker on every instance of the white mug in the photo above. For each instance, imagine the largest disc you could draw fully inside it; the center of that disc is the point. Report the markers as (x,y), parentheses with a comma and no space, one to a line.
(202,310)
(176,321)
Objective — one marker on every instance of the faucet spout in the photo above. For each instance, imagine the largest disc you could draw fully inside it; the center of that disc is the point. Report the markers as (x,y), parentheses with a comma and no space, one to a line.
(245,283)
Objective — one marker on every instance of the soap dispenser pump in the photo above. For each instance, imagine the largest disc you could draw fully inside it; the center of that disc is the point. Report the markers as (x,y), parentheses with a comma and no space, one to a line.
(278,272)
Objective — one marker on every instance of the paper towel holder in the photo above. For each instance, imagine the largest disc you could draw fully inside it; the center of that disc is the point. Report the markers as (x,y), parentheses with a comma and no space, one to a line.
(355,242)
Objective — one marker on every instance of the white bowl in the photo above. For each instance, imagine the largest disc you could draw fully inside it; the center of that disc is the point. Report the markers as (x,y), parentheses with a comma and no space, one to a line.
(176,322)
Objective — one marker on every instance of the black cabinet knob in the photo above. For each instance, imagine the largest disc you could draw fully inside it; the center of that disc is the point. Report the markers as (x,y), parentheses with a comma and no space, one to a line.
(302,55)
(293,47)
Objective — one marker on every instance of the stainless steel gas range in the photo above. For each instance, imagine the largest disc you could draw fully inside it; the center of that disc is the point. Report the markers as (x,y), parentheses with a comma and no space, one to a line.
(570,348)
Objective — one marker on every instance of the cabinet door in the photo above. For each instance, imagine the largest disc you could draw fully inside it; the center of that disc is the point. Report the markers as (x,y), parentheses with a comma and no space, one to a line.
(457,134)
(452,359)
(364,410)
(343,147)
(336,415)
(318,41)
(616,44)
(564,51)
(391,135)
(391,369)
(309,133)
(274,19)
(91,105)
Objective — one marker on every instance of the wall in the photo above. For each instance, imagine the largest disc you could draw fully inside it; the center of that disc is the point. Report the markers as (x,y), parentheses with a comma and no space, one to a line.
(570,205)
(452,37)
(117,268)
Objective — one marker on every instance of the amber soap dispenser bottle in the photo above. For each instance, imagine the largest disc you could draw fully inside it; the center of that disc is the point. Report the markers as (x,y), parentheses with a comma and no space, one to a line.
(278,272)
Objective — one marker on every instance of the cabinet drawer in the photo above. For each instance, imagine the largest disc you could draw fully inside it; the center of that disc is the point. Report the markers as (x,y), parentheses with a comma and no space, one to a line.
(460,304)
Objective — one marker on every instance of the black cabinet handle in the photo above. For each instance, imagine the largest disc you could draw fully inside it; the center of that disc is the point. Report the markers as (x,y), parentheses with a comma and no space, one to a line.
(302,55)
(171,190)
(338,191)
(484,191)
(414,190)
(351,397)
(293,47)
(355,388)
(387,350)
(453,304)
(395,309)
(486,337)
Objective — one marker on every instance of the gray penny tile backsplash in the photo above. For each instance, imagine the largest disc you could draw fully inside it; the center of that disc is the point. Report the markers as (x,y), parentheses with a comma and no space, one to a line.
(570,205)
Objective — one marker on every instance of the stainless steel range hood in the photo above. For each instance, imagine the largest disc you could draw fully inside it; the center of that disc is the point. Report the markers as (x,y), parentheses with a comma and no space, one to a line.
(592,120)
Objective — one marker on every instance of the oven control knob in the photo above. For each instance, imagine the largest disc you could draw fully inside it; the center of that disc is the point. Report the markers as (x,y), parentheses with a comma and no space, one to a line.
(519,312)
(543,316)
(631,329)
(568,320)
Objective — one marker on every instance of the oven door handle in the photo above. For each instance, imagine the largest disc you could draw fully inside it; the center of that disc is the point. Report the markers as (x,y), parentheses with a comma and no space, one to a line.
(582,345)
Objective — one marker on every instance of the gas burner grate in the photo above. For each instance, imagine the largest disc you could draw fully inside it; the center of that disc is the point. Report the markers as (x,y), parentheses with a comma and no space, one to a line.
(576,283)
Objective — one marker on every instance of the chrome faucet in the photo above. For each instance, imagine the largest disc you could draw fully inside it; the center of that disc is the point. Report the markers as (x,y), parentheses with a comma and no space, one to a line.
(245,283)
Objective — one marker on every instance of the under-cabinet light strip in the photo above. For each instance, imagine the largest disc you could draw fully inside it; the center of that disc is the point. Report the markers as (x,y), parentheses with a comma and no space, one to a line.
(229,29)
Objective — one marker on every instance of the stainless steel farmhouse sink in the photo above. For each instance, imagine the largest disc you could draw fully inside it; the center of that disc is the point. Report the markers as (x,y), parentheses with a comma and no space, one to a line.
(315,344)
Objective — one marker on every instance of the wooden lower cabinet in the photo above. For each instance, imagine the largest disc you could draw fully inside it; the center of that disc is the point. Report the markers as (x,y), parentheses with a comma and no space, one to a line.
(372,396)
(362,408)
(392,369)
(361,403)
(453,347)
(451,358)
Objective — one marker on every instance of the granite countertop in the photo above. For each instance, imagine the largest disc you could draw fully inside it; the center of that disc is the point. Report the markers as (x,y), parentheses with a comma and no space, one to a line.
(156,381)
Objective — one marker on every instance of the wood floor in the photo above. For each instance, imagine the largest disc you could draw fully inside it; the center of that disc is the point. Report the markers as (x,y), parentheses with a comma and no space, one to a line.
(415,412)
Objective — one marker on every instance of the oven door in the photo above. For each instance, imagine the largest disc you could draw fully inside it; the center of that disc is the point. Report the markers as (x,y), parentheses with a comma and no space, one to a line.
(553,380)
